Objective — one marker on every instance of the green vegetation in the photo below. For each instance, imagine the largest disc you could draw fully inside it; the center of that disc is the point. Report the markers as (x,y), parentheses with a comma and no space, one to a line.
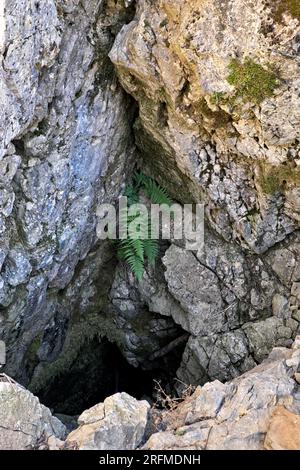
(135,250)
(287,6)
(275,178)
(218,97)
(253,83)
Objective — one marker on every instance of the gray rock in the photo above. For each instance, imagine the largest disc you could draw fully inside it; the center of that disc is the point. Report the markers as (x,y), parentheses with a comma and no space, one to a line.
(236,415)
(117,424)
(25,423)
(65,146)
(202,144)
(197,290)
(17,268)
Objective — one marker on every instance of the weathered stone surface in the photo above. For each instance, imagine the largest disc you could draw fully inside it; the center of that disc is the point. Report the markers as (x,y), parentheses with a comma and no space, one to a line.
(65,146)
(283,432)
(233,305)
(176,67)
(117,424)
(258,410)
(24,421)
(197,290)
(246,413)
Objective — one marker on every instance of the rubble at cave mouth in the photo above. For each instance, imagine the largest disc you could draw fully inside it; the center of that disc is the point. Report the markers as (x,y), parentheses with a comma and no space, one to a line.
(90,380)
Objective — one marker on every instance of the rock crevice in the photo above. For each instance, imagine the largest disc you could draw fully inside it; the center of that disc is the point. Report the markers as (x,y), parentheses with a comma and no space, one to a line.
(89,90)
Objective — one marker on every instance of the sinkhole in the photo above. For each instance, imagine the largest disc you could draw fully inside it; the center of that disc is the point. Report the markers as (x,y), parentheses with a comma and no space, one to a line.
(101,371)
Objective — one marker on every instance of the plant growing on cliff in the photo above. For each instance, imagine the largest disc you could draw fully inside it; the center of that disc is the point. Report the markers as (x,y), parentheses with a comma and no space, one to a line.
(287,6)
(135,251)
(275,178)
(218,97)
(252,82)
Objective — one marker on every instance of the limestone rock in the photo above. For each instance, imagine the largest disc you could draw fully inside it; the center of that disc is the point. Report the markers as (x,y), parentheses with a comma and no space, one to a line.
(258,410)
(117,424)
(197,290)
(248,413)
(226,315)
(283,432)
(65,146)
(175,60)
(24,422)
(69,141)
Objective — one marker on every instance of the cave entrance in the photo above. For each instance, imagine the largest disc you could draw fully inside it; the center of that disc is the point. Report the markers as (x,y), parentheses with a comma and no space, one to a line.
(101,371)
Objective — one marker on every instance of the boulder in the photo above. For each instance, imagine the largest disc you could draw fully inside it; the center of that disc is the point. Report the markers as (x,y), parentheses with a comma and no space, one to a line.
(283,432)
(258,410)
(117,424)
(25,423)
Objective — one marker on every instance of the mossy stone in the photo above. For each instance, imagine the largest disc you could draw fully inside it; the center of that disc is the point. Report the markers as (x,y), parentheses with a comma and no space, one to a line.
(287,6)
(252,82)
(274,178)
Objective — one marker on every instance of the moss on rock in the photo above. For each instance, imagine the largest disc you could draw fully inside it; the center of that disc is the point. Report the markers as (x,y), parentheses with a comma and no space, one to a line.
(287,6)
(252,82)
(275,178)
(31,359)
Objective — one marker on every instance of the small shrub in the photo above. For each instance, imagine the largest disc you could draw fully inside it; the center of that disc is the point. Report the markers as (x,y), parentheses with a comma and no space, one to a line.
(168,406)
(252,82)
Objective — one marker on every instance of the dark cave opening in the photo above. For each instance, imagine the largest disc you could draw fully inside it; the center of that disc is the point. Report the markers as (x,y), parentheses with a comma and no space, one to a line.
(89,381)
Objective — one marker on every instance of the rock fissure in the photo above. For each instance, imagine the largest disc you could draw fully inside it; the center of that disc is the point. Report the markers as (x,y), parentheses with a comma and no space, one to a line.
(111,85)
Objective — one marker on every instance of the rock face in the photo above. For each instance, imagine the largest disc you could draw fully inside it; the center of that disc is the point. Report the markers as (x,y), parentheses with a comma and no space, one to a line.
(283,433)
(65,146)
(259,410)
(214,133)
(24,422)
(117,424)
(218,122)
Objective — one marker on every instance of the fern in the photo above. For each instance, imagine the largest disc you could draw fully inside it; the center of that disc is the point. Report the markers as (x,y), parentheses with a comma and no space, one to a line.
(139,179)
(156,193)
(151,250)
(132,195)
(134,251)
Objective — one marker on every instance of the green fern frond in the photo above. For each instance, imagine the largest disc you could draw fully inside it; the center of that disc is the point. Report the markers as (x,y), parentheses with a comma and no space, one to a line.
(137,267)
(135,264)
(133,250)
(139,179)
(132,195)
(156,193)
(151,250)
(131,246)
(141,225)
(138,248)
